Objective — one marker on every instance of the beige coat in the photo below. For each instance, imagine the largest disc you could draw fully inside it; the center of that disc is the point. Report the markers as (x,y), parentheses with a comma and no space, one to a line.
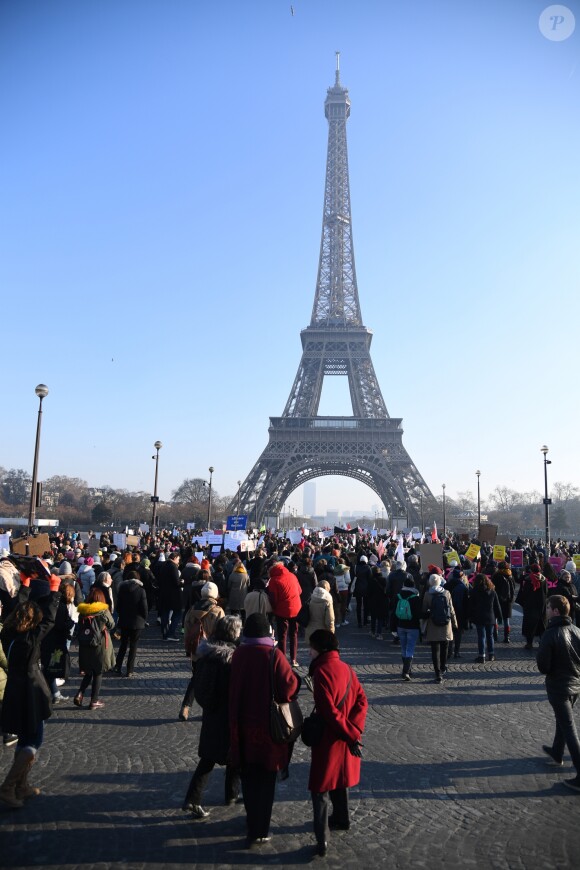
(438,632)
(257,602)
(321,612)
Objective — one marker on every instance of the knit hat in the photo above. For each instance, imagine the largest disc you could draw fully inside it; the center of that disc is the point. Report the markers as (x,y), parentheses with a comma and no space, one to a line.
(113,556)
(363,559)
(205,565)
(433,569)
(65,568)
(209,590)
(257,625)
(571,567)
(409,583)
(89,561)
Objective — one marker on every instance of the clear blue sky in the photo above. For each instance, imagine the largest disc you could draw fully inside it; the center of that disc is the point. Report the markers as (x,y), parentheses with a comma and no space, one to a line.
(161,184)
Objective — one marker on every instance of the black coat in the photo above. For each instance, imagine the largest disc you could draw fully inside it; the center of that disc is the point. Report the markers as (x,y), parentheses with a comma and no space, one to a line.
(484,606)
(533,603)
(54,653)
(212,689)
(132,605)
(506,591)
(362,573)
(27,698)
(559,657)
(169,582)
(377,594)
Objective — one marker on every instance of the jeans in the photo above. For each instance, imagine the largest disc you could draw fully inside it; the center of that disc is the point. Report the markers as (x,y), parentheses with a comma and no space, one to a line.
(287,626)
(130,637)
(408,638)
(339,800)
(439,656)
(566,733)
(31,741)
(485,632)
(169,626)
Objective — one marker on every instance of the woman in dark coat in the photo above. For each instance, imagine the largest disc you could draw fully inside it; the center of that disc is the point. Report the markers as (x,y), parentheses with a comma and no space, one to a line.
(92,658)
(532,597)
(306,578)
(378,604)
(55,656)
(506,592)
(484,609)
(335,767)
(133,612)
(27,699)
(252,748)
(212,689)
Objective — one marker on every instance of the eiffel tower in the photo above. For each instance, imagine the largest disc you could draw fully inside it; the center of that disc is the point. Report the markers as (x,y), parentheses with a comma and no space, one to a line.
(302,445)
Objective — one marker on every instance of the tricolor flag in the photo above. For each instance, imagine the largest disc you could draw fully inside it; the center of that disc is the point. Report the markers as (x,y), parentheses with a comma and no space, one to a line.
(434,537)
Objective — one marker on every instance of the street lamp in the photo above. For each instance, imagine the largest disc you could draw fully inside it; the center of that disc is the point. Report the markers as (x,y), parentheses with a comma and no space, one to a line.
(444,517)
(155,498)
(211,471)
(478,506)
(239,484)
(41,391)
(547,501)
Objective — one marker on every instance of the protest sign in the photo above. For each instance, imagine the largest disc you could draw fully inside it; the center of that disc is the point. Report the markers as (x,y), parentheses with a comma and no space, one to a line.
(517,558)
(499,553)
(295,536)
(557,562)
(144,528)
(503,540)
(132,540)
(488,533)
(452,556)
(430,554)
(120,540)
(38,545)
(472,552)
(5,542)
(576,560)
(199,557)
(93,546)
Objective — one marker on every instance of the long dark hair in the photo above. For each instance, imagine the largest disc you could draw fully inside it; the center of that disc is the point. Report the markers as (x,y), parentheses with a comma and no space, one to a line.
(482,581)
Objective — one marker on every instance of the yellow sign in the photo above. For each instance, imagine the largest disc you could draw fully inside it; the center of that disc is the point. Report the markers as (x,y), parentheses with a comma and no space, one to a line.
(472,551)
(452,556)
(499,553)
(576,560)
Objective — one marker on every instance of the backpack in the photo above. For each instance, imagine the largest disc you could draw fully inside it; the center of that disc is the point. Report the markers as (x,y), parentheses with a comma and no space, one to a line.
(440,609)
(90,632)
(195,634)
(403,609)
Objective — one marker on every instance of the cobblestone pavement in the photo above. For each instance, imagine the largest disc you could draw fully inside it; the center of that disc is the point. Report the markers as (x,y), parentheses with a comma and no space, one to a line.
(453,775)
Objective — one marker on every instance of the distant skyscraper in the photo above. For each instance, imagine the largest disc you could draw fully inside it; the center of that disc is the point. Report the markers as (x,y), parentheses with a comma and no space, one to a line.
(310,498)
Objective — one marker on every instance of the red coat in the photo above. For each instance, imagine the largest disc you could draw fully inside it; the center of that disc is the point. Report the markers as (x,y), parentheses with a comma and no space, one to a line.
(250,696)
(332,764)
(284,592)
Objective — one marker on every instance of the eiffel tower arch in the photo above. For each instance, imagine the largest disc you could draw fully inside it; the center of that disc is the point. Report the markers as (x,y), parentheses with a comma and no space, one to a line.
(367,446)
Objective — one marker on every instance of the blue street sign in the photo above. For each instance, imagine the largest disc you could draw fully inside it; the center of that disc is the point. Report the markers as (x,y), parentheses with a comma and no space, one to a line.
(236,524)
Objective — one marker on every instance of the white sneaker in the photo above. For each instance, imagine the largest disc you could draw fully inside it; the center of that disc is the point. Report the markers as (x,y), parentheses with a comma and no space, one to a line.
(59,682)
(345,622)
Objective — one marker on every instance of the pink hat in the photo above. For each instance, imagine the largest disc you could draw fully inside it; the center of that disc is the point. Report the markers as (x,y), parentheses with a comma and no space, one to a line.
(89,561)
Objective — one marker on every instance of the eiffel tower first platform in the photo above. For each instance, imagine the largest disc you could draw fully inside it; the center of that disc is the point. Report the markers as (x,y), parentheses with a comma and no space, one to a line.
(302,445)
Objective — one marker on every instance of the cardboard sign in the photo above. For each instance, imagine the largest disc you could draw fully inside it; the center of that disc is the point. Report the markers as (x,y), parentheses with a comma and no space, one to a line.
(503,541)
(488,533)
(38,545)
(452,556)
(499,553)
(517,558)
(214,540)
(472,552)
(93,546)
(431,554)
(132,540)
(247,546)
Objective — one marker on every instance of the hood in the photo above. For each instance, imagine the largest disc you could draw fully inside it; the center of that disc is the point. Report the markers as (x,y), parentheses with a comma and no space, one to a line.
(320,594)
(91,609)
(218,649)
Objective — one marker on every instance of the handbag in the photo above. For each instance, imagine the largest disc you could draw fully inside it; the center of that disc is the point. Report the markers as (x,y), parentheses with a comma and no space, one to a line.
(314,724)
(286,717)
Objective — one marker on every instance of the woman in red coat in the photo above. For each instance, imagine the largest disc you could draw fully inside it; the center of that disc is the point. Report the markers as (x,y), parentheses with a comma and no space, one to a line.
(252,748)
(340,700)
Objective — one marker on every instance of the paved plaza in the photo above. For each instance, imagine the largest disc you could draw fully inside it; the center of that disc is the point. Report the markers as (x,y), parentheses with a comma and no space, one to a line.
(453,775)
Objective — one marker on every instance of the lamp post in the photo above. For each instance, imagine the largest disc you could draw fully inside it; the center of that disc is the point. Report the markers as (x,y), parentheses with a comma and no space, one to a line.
(547,501)
(158,445)
(41,391)
(239,484)
(444,517)
(211,471)
(478,506)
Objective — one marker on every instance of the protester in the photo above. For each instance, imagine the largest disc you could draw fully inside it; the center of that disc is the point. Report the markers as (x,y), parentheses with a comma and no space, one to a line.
(169,597)
(361,586)
(505,588)
(95,623)
(484,609)
(335,767)
(408,622)
(54,649)
(212,687)
(320,610)
(252,748)
(238,587)
(377,600)
(133,612)
(284,593)
(558,657)
(440,622)
(200,622)
(532,597)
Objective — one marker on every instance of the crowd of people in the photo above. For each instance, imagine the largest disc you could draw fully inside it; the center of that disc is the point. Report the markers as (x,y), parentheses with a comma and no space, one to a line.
(241,616)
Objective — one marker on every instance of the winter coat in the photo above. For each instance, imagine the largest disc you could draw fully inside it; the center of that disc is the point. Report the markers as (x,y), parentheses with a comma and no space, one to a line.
(257,601)
(533,603)
(321,612)
(460,591)
(568,591)
(27,697)
(377,594)
(238,586)
(9,586)
(96,659)
(332,764)
(250,699)
(438,633)
(506,591)
(484,606)
(212,693)
(132,605)
(284,592)
(558,657)
(362,574)
(169,582)
(54,654)
(86,577)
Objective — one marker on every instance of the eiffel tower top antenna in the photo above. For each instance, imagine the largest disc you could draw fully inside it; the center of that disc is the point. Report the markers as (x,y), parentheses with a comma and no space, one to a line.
(337,79)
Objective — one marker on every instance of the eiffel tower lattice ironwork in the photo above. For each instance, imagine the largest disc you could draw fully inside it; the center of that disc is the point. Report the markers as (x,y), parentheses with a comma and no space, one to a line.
(367,446)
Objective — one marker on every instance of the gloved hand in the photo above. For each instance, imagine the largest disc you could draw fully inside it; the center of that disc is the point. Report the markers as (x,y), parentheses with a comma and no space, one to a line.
(355,748)
(54,582)
(24,579)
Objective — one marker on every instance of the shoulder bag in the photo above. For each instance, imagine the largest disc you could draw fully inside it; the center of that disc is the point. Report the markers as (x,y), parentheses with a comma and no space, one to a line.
(313,726)
(285,718)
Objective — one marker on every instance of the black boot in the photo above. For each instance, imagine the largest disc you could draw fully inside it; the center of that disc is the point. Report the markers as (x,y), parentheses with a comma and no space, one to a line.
(406,669)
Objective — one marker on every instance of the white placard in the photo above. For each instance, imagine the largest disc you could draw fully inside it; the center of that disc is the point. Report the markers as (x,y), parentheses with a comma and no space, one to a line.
(199,557)
(295,536)
(144,528)
(175,533)
(190,526)
(214,539)
(5,542)
(120,540)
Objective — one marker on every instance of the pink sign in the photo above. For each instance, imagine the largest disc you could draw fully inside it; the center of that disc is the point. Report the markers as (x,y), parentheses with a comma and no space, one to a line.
(517,558)
(557,562)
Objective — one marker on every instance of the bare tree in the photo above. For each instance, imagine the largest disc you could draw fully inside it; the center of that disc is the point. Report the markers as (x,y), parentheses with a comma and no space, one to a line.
(193,491)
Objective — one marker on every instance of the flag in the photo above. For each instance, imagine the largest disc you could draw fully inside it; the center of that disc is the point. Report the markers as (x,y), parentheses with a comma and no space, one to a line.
(400,554)
(394,532)
(348,526)
(434,537)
